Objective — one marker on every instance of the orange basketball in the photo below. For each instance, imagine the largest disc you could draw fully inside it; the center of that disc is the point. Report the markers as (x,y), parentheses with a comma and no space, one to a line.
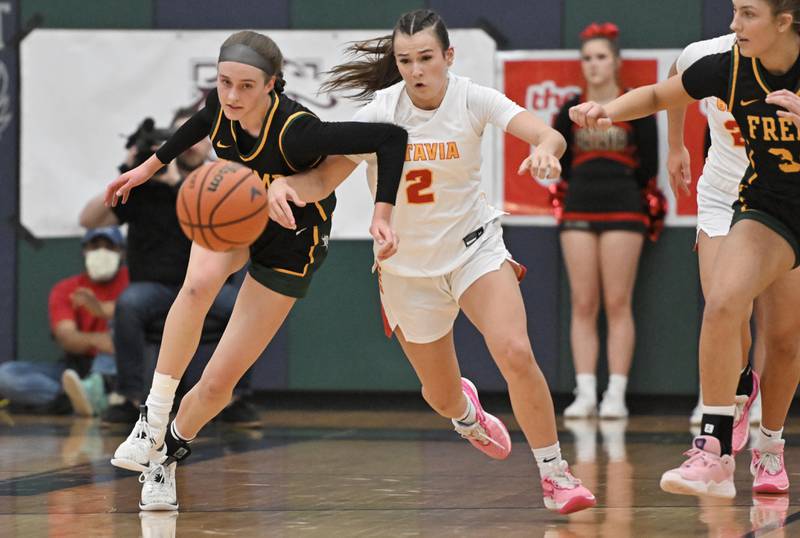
(222,205)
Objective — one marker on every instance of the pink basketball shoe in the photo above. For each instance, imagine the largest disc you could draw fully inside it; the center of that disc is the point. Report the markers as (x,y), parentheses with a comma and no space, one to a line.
(706,472)
(768,469)
(563,493)
(741,421)
(487,434)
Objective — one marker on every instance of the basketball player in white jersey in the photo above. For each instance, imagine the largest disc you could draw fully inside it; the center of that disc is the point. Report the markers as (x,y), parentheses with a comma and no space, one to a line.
(717,190)
(451,254)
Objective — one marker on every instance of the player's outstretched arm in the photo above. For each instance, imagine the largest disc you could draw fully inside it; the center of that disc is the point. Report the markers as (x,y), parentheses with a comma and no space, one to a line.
(678,160)
(632,105)
(308,186)
(121,187)
(544,162)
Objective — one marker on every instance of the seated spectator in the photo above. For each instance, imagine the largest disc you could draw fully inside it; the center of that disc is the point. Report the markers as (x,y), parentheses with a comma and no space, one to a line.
(158,254)
(80,308)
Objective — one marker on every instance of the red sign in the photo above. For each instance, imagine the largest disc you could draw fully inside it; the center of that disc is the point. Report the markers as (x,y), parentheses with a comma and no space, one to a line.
(543,86)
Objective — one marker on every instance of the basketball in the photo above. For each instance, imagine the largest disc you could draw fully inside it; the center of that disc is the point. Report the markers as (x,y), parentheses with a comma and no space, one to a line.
(222,205)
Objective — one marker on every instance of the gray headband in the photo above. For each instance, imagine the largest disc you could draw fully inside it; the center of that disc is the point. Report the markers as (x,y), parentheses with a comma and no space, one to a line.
(243,54)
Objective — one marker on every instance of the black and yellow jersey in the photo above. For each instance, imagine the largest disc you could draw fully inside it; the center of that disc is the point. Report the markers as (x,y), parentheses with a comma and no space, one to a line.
(292,139)
(771,184)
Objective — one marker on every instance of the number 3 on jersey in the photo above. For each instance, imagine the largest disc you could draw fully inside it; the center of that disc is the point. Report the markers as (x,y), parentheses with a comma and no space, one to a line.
(419,180)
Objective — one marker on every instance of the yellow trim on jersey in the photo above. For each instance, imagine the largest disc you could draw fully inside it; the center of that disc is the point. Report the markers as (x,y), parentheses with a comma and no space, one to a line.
(264,134)
(734,76)
(216,125)
(321,211)
(752,178)
(758,77)
(289,120)
(310,257)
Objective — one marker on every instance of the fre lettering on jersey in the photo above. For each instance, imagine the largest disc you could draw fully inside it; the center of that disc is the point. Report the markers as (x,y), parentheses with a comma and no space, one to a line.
(771,129)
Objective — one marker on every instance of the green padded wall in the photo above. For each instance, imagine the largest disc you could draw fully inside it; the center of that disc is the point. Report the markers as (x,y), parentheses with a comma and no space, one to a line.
(90,13)
(38,271)
(667,317)
(348,14)
(643,24)
(336,338)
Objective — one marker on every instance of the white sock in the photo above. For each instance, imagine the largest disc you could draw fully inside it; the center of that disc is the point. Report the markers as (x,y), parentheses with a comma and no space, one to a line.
(547,458)
(724,410)
(766,436)
(616,385)
(178,434)
(470,415)
(159,401)
(587,385)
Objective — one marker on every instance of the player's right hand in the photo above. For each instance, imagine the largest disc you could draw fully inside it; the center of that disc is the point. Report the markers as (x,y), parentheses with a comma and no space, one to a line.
(121,187)
(590,114)
(678,166)
(279,195)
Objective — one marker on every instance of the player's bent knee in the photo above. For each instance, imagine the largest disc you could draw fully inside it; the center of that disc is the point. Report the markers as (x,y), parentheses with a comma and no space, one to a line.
(515,357)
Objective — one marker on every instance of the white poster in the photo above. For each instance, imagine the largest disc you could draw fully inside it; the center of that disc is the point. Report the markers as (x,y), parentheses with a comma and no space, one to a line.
(84,91)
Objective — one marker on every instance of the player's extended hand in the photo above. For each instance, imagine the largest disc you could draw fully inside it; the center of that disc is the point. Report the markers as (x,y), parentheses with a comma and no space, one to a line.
(543,166)
(680,174)
(381,231)
(121,187)
(788,100)
(279,195)
(590,114)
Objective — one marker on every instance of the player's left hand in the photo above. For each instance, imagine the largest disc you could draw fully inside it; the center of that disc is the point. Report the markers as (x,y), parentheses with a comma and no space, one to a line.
(788,100)
(543,166)
(381,231)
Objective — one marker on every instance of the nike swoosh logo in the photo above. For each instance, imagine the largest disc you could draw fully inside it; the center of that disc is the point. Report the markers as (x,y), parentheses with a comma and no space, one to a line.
(301,230)
(747,103)
(221,145)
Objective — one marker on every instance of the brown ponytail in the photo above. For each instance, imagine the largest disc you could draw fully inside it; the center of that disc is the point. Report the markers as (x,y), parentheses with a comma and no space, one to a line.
(373,66)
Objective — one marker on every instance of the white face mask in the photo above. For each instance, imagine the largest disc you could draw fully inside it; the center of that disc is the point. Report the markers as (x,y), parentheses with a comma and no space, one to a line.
(102,264)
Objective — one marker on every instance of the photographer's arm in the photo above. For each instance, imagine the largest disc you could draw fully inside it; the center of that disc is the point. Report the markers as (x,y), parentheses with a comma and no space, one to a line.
(96,214)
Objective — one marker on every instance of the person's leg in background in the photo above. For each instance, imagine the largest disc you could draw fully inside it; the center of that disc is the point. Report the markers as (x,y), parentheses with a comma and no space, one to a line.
(136,308)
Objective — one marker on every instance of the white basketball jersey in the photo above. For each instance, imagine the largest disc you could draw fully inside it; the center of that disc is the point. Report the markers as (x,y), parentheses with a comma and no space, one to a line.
(727,160)
(440,208)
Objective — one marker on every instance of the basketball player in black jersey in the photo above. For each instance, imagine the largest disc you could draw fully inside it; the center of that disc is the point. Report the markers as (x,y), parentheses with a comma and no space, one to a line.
(249,121)
(757,257)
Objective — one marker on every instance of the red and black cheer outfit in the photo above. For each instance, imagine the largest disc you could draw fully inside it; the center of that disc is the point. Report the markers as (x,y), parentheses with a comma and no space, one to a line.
(606,172)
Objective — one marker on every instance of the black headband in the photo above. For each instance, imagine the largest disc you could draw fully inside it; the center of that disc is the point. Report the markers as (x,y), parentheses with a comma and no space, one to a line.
(243,54)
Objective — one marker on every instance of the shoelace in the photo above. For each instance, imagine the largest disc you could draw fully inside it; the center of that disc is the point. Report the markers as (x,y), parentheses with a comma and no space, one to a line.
(770,462)
(695,454)
(561,477)
(156,473)
(476,432)
(143,427)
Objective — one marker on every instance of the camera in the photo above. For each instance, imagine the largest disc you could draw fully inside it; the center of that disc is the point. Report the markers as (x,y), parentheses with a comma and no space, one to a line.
(146,139)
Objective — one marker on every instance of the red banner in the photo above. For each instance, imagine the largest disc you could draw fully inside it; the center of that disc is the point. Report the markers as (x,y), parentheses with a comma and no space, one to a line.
(543,86)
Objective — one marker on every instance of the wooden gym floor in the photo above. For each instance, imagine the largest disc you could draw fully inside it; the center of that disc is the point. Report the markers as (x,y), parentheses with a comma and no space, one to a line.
(370,474)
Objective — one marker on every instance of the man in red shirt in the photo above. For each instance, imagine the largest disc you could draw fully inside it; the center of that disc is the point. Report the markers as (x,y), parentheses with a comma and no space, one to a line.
(80,308)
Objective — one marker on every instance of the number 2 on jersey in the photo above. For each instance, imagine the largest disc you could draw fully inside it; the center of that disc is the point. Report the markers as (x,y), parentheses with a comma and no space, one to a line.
(419,180)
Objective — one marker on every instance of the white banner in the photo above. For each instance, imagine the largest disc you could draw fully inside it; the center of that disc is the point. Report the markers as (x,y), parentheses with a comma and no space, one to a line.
(83,91)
